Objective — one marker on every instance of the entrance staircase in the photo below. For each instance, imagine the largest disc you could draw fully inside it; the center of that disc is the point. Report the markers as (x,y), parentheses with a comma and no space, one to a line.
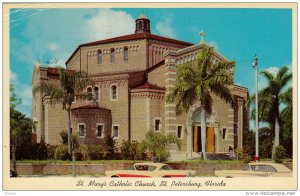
(181,156)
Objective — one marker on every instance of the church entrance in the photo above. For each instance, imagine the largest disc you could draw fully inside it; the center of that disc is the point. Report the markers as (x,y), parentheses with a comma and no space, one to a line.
(210,139)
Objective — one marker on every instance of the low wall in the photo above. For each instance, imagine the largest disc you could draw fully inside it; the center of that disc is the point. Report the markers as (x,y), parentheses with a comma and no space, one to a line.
(202,169)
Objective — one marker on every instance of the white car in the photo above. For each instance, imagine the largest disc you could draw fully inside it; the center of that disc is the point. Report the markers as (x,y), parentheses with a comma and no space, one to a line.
(257,169)
(149,169)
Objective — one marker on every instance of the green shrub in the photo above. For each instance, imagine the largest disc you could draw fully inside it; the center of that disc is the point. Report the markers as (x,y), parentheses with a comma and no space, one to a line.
(239,153)
(279,154)
(81,152)
(61,152)
(95,152)
(244,155)
(50,151)
(129,150)
(109,148)
(39,151)
(157,145)
(247,158)
(142,150)
(64,137)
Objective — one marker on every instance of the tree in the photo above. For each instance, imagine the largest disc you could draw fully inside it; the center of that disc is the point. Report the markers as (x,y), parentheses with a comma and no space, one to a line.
(287,121)
(71,84)
(198,83)
(157,143)
(19,125)
(269,99)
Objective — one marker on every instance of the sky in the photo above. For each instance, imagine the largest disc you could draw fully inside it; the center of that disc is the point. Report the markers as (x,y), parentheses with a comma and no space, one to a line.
(51,35)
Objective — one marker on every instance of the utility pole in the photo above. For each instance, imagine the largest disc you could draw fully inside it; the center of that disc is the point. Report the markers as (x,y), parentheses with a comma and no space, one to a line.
(255,66)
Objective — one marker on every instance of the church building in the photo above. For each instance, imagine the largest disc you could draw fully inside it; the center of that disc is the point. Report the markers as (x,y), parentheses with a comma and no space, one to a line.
(132,76)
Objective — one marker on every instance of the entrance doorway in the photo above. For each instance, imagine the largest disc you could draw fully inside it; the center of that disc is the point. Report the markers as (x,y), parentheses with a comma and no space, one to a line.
(210,139)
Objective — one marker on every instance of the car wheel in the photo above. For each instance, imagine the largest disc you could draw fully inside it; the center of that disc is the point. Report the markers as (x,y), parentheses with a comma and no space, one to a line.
(228,177)
(115,177)
(166,176)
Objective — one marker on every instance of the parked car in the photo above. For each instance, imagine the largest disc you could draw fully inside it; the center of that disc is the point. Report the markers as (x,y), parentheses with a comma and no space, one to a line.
(257,169)
(149,169)
(13,173)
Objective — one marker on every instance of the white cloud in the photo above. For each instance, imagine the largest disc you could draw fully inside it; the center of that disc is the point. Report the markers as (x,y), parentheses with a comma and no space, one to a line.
(53,35)
(165,28)
(273,70)
(13,76)
(53,46)
(24,92)
(108,23)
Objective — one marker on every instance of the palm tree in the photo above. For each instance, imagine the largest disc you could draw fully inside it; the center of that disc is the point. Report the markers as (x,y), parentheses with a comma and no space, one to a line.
(71,85)
(198,83)
(286,115)
(269,99)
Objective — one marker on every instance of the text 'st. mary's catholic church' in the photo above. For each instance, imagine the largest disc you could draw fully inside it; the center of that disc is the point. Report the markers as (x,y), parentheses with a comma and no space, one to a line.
(132,75)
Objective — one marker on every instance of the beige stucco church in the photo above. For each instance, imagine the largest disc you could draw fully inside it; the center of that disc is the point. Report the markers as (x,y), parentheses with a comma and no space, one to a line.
(132,75)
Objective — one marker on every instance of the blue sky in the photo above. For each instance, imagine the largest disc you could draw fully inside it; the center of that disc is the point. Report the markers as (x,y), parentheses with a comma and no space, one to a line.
(48,34)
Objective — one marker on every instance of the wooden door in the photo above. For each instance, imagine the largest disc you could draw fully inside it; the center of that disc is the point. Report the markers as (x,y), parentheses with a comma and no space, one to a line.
(210,139)
(195,139)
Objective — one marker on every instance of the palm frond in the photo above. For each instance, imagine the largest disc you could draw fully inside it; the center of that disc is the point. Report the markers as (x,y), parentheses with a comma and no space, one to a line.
(224,93)
(269,76)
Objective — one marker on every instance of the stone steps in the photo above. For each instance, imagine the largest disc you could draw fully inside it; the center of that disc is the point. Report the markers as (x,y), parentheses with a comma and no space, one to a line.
(180,156)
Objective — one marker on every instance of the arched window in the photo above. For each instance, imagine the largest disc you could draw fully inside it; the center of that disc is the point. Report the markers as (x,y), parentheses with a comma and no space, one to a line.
(99,57)
(89,94)
(96,93)
(114,92)
(112,55)
(125,54)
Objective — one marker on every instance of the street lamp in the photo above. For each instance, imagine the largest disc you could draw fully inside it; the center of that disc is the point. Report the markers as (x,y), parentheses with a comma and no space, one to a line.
(255,66)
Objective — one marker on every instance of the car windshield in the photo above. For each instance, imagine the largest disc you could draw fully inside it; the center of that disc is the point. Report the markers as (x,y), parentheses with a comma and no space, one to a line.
(263,168)
(131,168)
(145,167)
(165,167)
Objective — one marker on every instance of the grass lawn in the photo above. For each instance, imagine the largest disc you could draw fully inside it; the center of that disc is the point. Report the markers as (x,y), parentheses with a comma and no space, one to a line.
(44,162)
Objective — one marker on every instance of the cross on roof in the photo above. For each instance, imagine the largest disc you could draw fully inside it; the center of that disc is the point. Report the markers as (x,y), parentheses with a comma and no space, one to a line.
(202,34)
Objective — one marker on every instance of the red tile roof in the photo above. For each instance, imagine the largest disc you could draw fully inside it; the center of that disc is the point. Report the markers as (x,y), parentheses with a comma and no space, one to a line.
(148,85)
(54,71)
(134,36)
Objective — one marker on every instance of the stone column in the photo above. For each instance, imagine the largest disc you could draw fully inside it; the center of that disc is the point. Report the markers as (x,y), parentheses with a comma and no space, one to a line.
(148,122)
(240,122)
(216,130)
(170,78)
(189,137)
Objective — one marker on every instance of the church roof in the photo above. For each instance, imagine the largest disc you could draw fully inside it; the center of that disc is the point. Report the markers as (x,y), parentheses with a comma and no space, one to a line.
(148,85)
(138,36)
(134,36)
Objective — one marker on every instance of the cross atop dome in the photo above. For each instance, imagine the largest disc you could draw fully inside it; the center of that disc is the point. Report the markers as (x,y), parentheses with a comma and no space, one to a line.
(142,24)
(202,34)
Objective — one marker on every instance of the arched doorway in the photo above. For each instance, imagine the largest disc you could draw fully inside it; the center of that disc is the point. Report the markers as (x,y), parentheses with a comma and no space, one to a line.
(212,127)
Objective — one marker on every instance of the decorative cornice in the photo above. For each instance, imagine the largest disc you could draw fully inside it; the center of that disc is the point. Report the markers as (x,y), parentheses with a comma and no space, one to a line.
(151,95)
(192,48)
